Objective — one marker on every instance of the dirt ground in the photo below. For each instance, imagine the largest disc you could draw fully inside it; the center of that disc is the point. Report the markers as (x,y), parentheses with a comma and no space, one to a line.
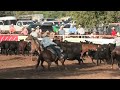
(21,67)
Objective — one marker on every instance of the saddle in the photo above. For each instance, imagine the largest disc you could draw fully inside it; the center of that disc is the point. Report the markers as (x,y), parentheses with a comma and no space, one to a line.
(55,50)
(51,50)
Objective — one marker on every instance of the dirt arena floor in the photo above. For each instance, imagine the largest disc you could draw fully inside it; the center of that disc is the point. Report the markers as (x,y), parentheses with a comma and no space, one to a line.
(21,67)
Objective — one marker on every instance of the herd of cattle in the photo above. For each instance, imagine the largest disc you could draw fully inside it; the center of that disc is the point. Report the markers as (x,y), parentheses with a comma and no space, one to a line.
(14,47)
(72,51)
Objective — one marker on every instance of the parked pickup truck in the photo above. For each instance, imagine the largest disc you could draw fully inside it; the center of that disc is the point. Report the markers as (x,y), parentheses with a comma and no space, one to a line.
(5,23)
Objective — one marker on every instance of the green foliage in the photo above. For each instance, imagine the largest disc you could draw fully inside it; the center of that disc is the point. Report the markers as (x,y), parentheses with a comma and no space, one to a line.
(6,13)
(91,18)
(87,18)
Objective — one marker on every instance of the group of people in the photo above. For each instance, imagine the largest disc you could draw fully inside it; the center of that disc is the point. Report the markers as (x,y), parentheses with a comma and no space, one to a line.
(24,31)
(36,32)
(73,30)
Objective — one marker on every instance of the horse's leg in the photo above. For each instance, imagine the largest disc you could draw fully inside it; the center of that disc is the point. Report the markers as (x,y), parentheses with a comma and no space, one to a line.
(63,61)
(56,62)
(49,64)
(32,52)
(100,61)
(38,61)
(42,64)
(31,56)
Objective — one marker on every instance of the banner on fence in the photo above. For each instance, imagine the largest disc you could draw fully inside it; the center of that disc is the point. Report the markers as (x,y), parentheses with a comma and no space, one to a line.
(8,38)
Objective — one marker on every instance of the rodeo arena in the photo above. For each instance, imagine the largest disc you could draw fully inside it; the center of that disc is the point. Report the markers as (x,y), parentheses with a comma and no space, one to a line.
(50,48)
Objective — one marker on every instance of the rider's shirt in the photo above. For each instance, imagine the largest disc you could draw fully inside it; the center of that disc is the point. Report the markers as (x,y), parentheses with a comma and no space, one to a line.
(46,41)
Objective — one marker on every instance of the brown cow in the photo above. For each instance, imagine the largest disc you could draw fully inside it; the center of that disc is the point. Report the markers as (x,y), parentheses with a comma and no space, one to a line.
(86,47)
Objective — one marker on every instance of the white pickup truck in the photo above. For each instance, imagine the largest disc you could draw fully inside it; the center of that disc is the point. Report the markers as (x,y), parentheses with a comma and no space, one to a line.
(19,25)
(5,23)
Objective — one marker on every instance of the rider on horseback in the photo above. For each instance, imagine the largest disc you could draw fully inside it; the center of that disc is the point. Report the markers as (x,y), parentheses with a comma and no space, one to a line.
(47,42)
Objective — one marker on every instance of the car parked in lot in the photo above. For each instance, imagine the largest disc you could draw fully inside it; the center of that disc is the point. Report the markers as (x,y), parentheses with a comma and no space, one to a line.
(59,23)
(66,28)
(44,28)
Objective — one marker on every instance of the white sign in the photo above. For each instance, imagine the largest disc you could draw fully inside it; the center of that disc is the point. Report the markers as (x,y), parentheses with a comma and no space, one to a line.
(94,40)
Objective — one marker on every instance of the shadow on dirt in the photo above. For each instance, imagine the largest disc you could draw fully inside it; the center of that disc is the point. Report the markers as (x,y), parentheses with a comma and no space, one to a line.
(30,72)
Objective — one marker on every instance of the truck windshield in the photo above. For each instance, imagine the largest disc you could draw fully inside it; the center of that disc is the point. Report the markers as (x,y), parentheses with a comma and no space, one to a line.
(1,23)
(28,23)
(9,22)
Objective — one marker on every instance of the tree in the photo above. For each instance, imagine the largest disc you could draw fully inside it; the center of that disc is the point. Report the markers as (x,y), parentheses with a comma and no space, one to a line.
(6,13)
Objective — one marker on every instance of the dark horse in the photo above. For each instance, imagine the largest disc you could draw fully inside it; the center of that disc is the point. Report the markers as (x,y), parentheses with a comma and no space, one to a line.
(48,54)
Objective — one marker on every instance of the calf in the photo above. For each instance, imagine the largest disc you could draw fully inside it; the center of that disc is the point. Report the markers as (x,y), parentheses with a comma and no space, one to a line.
(101,53)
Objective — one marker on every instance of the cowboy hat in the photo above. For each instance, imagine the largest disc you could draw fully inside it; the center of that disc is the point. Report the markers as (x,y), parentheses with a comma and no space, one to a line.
(32,29)
(45,34)
(113,27)
(37,27)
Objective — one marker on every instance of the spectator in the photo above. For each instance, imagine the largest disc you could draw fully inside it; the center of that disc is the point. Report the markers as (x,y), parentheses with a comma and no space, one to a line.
(80,30)
(72,29)
(39,31)
(34,33)
(12,29)
(24,31)
(118,28)
(61,31)
(55,28)
(113,32)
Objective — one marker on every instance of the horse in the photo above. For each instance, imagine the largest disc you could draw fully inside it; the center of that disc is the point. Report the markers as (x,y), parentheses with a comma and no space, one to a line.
(35,46)
(44,54)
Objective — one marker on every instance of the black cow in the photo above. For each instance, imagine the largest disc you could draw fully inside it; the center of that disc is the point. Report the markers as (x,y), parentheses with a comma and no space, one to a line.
(9,47)
(13,47)
(101,53)
(71,51)
(115,55)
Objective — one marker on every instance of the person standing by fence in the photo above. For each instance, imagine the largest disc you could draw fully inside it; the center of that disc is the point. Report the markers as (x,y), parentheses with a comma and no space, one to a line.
(80,30)
(24,31)
(113,32)
(72,30)
(38,31)
(61,32)
(12,29)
